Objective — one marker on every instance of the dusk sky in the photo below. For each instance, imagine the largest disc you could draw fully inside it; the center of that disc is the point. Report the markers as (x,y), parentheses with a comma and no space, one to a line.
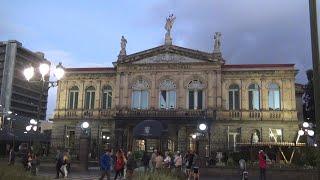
(83,33)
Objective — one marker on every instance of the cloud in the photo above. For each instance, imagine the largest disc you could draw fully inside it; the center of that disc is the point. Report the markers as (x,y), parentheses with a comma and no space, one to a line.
(252,31)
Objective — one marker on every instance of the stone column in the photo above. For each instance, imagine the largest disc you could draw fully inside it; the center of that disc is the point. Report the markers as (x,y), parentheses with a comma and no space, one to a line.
(210,90)
(84,151)
(219,87)
(182,139)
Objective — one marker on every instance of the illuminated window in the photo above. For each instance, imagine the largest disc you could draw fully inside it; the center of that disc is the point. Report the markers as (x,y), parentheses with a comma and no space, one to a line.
(73,97)
(254,97)
(107,97)
(234,102)
(140,95)
(274,97)
(195,95)
(90,96)
(167,95)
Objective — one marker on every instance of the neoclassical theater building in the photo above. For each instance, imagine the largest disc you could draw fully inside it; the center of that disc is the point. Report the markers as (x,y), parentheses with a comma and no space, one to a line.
(157,98)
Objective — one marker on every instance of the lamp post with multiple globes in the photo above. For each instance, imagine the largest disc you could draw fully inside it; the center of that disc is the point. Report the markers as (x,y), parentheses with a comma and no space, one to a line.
(44,70)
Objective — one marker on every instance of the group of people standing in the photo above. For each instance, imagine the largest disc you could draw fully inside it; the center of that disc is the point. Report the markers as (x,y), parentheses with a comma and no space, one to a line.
(122,164)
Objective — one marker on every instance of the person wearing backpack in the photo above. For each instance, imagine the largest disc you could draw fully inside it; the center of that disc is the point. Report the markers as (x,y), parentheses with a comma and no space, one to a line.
(105,165)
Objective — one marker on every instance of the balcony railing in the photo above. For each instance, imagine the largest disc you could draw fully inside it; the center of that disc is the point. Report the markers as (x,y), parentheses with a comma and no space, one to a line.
(103,113)
(284,115)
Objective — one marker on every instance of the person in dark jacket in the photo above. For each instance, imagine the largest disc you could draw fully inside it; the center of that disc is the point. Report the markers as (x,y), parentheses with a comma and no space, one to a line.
(12,157)
(59,163)
(105,165)
(145,161)
(131,165)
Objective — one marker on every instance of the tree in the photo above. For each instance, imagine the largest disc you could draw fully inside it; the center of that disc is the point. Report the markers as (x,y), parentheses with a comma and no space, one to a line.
(308,99)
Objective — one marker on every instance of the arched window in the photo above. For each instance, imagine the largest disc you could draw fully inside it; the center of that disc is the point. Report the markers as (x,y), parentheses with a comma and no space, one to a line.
(195,95)
(234,101)
(254,97)
(90,96)
(274,97)
(140,94)
(73,97)
(167,95)
(107,97)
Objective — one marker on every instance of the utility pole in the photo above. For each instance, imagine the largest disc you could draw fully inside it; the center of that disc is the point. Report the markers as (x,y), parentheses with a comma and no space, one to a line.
(316,68)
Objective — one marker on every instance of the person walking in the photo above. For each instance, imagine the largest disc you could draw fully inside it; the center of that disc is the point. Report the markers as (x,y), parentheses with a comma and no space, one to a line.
(262,165)
(65,164)
(131,165)
(12,157)
(59,163)
(119,164)
(105,165)
(145,161)
(178,162)
(167,161)
(153,159)
(35,162)
(159,161)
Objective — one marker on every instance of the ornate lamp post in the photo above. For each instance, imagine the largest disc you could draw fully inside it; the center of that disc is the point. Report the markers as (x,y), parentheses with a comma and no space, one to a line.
(31,127)
(44,70)
(84,145)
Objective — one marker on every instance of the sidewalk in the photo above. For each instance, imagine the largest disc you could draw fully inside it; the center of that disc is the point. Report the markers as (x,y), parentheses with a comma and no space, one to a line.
(48,169)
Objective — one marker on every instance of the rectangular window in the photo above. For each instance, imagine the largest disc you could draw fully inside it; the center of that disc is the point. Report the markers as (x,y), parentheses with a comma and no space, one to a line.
(236,100)
(191,99)
(231,100)
(254,101)
(144,99)
(172,99)
(199,100)
(73,100)
(109,99)
(140,99)
(89,100)
(274,100)
(136,99)
(163,99)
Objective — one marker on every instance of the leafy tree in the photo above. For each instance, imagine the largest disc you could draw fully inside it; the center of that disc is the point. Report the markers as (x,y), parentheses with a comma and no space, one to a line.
(308,99)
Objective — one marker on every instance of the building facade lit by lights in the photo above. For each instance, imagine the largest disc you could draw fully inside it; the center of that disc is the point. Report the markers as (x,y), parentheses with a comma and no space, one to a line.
(180,88)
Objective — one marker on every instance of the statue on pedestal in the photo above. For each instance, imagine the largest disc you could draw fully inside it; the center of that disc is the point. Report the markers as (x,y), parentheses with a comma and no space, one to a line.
(217,42)
(255,138)
(168,27)
(123,47)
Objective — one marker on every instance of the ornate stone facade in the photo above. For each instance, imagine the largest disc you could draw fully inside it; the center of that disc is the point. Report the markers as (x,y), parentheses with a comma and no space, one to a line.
(200,83)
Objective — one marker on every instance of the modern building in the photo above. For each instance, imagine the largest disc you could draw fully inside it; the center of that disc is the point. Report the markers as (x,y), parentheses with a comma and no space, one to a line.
(157,98)
(27,99)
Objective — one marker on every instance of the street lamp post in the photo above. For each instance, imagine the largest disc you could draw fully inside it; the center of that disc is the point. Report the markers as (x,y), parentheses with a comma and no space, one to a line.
(31,127)
(84,146)
(44,70)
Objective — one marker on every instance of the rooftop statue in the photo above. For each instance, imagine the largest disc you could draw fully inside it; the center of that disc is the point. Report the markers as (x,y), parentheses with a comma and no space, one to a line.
(169,23)
(123,46)
(217,42)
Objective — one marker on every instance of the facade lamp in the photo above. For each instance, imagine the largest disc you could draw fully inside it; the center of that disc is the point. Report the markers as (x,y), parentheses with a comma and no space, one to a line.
(305,124)
(301,132)
(85,125)
(194,136)
(108,137)
(310,132)
(28,128)
(202,127)
(103,137)
(33,122)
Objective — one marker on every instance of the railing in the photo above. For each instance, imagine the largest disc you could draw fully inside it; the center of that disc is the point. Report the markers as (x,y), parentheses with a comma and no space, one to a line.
(125,112)
(284,115)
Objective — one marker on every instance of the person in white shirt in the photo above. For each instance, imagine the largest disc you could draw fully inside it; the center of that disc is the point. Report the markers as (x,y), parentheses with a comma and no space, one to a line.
(167,160)
(178,162)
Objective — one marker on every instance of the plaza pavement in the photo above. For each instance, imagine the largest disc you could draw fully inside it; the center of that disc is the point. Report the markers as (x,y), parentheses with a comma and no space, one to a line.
(205,174)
